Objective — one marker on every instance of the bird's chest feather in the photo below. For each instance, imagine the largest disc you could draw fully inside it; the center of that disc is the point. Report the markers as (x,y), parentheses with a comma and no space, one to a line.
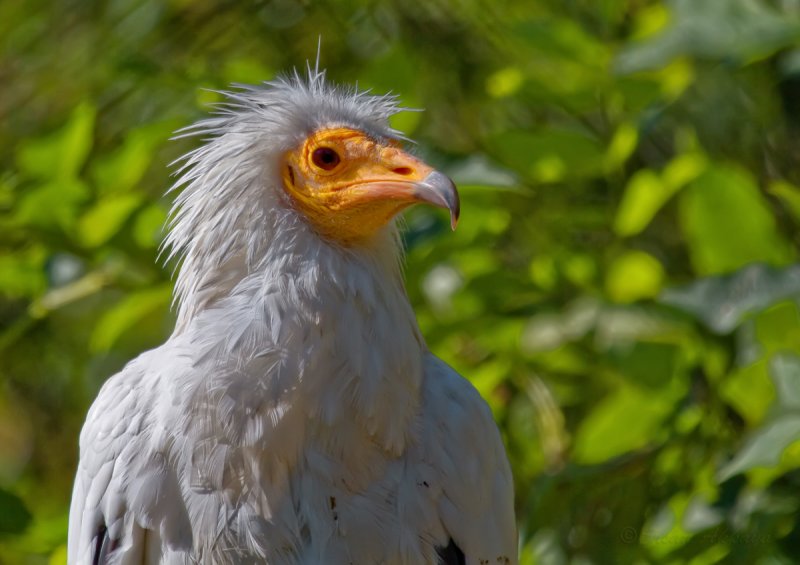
(306,490)
(304,439)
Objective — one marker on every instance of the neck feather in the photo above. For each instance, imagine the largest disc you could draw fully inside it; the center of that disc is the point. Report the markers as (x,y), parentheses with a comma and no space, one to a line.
(323,329)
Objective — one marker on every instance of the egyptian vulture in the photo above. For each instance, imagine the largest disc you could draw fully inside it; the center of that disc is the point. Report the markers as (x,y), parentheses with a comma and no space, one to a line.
(295,415)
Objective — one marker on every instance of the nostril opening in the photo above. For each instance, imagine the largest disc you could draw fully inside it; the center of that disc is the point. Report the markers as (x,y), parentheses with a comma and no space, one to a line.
(405,171)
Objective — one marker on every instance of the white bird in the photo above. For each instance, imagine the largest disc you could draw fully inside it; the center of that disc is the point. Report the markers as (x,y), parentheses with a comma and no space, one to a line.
(295,415)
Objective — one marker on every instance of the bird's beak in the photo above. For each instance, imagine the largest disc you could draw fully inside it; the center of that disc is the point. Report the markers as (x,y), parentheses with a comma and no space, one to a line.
(399,177)
(439,190)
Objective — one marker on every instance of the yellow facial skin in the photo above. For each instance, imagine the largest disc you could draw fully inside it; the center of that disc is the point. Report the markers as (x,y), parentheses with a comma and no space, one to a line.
(349,185)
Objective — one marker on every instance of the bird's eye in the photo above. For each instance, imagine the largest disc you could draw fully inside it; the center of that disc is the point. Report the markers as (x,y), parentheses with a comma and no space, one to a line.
(325,158)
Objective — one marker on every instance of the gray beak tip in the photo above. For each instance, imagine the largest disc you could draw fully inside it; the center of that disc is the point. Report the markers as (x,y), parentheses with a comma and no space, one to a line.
(439,190)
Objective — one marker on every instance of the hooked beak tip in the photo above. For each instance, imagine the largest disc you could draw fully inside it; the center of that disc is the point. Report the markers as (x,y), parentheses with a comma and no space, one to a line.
(439,190)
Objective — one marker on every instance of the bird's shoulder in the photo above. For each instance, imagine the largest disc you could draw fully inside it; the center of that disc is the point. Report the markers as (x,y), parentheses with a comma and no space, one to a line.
(133,400)
(124,453)
(462,441)
(455,406)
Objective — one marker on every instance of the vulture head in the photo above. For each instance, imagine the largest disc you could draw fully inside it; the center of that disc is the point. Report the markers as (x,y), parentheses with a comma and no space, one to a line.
(293,160)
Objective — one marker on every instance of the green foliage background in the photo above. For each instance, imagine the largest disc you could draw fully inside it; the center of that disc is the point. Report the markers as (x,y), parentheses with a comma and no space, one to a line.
(623,287)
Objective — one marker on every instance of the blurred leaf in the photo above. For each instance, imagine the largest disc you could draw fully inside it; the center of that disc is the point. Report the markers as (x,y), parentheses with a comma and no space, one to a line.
(765,447)
(488,376)
(61,154)
(649,21)
(16,437)
(149,225)
(785,370)
(46,532)
(654,365)
(59,556)
(580,269)
(478,170)
(627,419)
(23,273)
(549,155)
(778,327)
(623,325)
(722,29)
(103,220)
(14,516)
(622,145)
(644,196)
(634,276)
(723,302)
(683,169)
(504,82)
(126,314)
(122,169)
(543,271)
(789,195)
(54,204)
(560,61)
(647,192)
(727,223)
(750,391)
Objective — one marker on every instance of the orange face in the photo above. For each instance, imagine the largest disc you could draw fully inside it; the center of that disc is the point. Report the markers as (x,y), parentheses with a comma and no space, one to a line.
(349,185)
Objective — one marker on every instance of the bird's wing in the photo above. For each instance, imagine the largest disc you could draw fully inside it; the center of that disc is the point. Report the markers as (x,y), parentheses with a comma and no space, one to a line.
(462,441)
(126,501)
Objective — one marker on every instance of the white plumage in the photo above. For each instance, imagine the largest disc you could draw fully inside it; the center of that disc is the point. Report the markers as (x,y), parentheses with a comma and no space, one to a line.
(295,415)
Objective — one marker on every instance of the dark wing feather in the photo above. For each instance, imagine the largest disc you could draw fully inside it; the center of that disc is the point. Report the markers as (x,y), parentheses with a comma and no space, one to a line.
(451,555)
(104,546)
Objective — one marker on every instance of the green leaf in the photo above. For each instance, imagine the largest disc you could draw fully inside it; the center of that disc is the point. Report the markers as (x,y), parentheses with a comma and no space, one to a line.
(626,420)
(634,276)
(721,303)
(103,220)
(727,223)
(621,147)
(504,82)
(122,169)
(654,365)
(789,195)
(785,370)
(59,556)
(23,273)
(765,447)
(61,154)
(749,390)
(550,155)
(720,29)
(53,204)
(778,327)
(647,192)
(683,169)
(126,314)
(14,516)
(149,225)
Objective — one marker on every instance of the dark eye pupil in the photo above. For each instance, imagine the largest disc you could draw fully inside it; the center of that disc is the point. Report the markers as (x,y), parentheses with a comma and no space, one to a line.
(325,158)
